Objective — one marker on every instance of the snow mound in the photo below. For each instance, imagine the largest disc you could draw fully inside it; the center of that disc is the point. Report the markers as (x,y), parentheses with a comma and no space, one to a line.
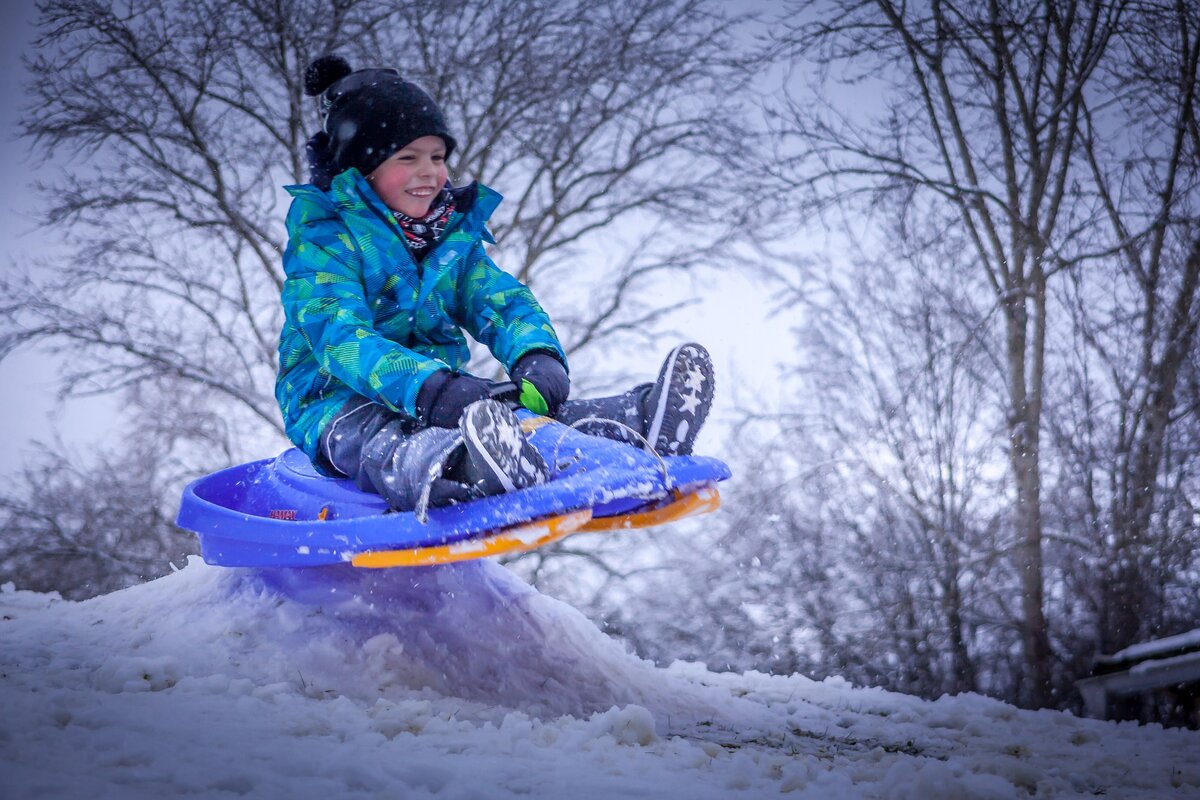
(462,682)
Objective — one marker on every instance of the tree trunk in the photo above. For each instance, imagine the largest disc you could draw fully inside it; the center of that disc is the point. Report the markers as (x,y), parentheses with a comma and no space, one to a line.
(1026,351)
(1130,594)
(962,669)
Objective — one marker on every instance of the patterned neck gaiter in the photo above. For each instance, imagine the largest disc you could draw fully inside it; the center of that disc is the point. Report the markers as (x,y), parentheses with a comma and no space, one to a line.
(421,234)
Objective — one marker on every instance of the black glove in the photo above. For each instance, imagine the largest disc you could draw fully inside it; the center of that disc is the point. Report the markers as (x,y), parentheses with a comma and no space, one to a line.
(444,395)
(548,382)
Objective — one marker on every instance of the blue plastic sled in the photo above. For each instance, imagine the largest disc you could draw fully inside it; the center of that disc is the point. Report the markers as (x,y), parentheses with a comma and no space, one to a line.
(281,512)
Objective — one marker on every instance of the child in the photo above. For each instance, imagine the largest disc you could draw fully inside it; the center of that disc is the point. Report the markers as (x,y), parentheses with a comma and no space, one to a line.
(385,269)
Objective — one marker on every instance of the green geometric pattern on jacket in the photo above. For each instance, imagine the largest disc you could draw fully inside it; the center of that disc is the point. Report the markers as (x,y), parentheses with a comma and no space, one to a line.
(361,318)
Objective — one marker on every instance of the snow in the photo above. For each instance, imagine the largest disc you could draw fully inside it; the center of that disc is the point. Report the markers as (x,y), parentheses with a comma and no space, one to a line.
(461,681)
(1189,660)
(1183,641)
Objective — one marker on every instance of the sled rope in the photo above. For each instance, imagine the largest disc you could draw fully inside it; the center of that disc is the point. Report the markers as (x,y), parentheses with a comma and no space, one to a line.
(612,422)
(421,512)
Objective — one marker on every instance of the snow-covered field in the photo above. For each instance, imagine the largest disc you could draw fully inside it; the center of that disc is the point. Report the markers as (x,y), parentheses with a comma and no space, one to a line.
(463,682)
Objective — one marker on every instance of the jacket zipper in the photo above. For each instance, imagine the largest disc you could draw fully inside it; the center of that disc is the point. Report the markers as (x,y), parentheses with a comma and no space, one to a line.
(391,225)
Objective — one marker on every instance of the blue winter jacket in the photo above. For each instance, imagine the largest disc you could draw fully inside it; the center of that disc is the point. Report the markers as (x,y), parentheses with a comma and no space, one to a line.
(361,317)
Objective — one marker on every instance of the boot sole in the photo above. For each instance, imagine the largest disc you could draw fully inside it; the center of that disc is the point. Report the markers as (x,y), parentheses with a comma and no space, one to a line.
(493,439)
(675,383)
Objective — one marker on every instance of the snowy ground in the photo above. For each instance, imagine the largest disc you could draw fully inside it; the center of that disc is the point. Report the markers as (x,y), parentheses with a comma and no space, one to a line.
(462,682)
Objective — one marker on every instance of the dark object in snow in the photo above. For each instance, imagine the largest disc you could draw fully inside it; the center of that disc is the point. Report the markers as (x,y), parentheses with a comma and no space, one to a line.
(281,512)
(1156,681)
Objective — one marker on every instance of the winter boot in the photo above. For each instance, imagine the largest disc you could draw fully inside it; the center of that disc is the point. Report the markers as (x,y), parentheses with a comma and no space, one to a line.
(678,404)
(668,413)
(498,456)
(390,454)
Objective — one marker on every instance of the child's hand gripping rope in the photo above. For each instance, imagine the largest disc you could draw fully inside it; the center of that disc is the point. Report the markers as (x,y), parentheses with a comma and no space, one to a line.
(542,381)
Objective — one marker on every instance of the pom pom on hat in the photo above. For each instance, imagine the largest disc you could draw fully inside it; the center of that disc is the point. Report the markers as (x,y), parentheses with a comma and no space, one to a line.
(323,72)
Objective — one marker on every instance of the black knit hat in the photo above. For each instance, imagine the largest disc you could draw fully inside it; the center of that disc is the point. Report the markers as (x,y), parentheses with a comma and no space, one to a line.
(366,115)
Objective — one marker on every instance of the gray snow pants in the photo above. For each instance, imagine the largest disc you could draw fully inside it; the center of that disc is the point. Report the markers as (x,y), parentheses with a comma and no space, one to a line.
(393,455)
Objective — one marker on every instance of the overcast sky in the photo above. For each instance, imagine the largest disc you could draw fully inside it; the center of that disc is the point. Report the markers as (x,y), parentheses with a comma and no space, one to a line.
(15,34)
(20,412)
(27,379)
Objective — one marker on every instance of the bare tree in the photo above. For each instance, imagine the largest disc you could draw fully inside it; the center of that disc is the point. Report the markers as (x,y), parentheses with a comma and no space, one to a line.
(591,116)
(894,438)
(1136,321)
(173,126)
(65,524)
(982,131)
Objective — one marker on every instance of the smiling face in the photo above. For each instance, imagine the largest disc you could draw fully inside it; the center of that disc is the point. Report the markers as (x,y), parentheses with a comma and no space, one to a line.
(412,176)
